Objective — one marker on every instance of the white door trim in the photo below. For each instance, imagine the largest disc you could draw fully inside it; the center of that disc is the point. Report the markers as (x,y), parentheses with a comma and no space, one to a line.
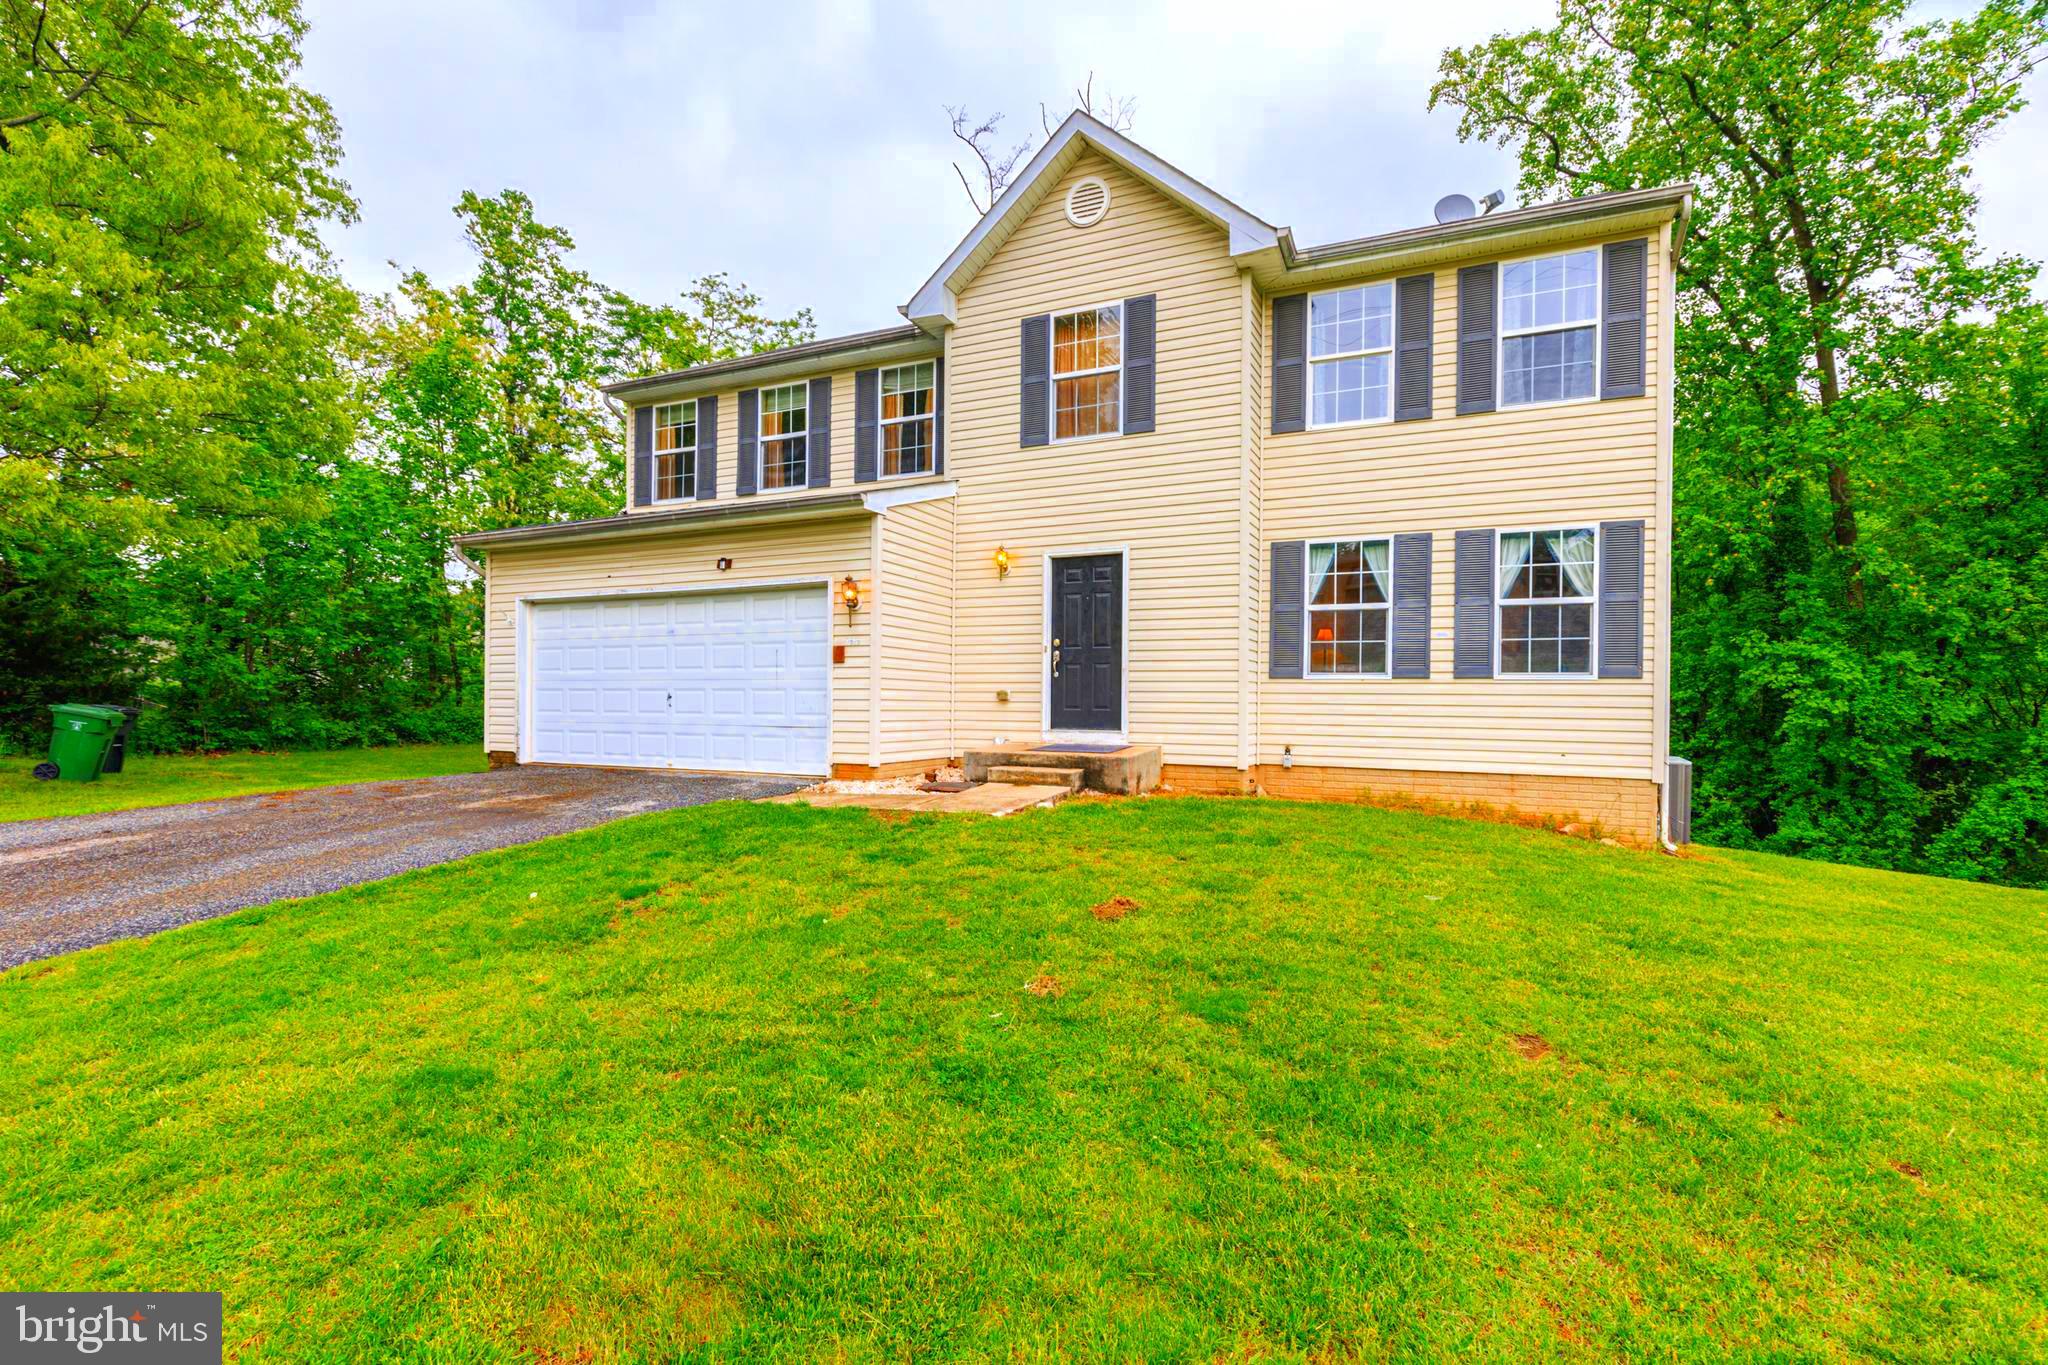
(1123,704)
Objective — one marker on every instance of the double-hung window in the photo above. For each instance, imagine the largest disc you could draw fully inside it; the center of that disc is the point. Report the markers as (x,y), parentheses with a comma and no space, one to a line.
(1547,581)
(1549,328)
(784,414)
(1350,354)
(907,417)
(1349,589)
(675,451)
(1087,372)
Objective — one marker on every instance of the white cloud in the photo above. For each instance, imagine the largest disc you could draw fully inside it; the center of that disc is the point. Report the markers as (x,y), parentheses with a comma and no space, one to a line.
(805,149)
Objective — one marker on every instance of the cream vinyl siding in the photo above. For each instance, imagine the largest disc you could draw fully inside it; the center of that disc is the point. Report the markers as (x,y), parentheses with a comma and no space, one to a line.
(1173,497)
(914,609)
(1572,464)
(820,550)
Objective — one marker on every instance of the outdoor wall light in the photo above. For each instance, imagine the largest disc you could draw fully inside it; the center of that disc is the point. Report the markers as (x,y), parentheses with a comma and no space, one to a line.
(849,593)
(1002,562)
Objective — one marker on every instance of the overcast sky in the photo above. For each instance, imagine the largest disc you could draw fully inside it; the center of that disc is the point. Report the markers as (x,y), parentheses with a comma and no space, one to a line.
(808,153)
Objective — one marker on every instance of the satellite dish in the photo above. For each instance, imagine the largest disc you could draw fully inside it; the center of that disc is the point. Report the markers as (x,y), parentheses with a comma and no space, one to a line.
(1455,208)
(1493,201)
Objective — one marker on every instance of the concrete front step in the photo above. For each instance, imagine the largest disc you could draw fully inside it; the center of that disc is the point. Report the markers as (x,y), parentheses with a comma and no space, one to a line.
(1126,770)
(1018,775)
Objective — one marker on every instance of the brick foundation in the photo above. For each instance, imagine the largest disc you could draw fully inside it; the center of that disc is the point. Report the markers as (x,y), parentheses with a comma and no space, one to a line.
(501,758)
(1623,808)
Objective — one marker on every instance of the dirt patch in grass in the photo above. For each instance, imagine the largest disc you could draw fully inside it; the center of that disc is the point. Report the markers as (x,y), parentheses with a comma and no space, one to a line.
(890,817)
(1115,908)
(1908,1169)
(1532,1048)
(1042,985)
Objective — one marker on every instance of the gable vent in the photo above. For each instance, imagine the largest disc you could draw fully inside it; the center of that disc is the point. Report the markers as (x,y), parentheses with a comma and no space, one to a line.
(1087,201)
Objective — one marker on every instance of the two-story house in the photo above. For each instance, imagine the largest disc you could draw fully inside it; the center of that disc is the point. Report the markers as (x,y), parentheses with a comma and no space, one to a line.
(1385,516)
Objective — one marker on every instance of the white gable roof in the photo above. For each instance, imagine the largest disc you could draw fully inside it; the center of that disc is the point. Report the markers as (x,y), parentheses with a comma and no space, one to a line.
(932,307)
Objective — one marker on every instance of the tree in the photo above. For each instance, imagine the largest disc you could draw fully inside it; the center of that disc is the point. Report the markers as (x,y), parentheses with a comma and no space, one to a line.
(994,165)
(167,317)
(1832,339)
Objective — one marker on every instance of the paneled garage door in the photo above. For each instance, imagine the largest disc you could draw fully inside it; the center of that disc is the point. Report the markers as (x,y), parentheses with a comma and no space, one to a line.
(731,682)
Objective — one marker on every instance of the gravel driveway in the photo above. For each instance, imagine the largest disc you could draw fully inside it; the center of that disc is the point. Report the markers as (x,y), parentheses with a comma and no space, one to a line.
(70,883)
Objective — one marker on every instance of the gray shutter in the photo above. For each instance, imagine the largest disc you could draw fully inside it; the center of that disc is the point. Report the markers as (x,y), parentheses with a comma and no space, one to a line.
(1627,283)
(707,448)
(938,417)
(867,417)
(1478,296)
(1141,326)
(1410,626)
(1621,599)
(1290,362)
(818,440)
(746,477)
(643,456)
(1284,589)
(1414,321)
(1034,379)
(1472,651)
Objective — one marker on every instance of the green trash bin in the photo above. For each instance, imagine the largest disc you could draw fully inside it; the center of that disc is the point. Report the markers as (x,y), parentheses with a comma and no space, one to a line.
(79,736)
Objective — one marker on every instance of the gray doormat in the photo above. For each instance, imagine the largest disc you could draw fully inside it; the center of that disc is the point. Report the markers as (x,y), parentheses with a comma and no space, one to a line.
(1079,748)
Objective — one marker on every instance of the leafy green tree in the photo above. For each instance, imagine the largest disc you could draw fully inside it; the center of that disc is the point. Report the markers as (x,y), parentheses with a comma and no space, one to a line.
(166,318)
(1844,671)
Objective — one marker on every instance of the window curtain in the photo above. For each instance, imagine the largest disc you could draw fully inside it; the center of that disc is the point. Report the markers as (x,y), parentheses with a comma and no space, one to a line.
(1376,564)
(1321,559)
(1574,549)
(1514,557)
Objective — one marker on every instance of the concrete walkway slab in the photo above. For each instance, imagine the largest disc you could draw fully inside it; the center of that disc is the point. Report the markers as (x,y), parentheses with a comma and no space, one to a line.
(72,882)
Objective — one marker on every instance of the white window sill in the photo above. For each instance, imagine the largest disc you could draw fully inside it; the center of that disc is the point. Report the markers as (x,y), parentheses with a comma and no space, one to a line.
(1388,420)
(1547,403)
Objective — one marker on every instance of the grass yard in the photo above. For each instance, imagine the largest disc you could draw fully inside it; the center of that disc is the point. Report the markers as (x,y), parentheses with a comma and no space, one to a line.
(171,779)
(755,1081)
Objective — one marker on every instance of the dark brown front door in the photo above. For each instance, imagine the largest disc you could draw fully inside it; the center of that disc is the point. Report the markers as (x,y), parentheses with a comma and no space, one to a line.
(1087,657)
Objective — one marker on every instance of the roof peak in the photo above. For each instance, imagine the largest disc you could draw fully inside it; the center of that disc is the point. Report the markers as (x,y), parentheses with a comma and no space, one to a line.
(932,306)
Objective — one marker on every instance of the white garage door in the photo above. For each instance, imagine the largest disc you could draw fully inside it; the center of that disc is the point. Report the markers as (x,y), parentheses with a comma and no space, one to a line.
(732,681)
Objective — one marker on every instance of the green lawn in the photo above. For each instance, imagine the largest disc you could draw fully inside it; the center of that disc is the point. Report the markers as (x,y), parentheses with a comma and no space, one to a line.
(752,1081)
(169,779)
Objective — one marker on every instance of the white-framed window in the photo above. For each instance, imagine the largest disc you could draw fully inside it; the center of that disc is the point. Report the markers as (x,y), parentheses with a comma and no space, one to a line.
(1350,589)
(1550,328)
(675,451)
(785,414)
(1351,355)
(1547,583)
(1088,372)
(908,415)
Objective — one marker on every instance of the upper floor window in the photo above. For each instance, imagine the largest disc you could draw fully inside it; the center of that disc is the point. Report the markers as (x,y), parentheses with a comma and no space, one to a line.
(907,417)
(1349,592)
(1087,372)
(1547,581)
(1350,352)
(675,451)
(1549,327)
(784,421)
